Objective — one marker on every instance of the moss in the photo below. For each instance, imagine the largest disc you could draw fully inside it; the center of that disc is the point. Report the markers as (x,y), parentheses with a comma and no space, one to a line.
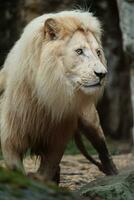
(17,193)
(14,186)
(120,187)
(73,150)
(13,178)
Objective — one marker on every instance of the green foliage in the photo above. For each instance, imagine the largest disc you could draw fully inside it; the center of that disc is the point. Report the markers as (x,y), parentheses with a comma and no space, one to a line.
(73,150)
(114,146)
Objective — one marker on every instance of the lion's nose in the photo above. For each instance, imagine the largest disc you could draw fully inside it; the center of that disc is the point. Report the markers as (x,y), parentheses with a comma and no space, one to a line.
(101,75)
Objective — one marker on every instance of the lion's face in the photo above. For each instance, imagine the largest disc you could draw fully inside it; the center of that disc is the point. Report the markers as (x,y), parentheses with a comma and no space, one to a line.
(84,62)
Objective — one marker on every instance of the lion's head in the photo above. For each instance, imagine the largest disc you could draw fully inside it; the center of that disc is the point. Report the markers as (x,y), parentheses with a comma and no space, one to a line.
(62,57)
(72,61)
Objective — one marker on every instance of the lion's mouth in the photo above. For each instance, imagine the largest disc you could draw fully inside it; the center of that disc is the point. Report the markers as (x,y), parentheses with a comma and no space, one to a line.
(92,85)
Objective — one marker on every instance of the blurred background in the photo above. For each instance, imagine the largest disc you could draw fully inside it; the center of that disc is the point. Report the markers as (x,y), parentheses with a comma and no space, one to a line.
(117,105)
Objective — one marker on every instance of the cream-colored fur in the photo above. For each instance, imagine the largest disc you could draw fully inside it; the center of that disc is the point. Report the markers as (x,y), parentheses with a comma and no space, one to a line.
(48,85)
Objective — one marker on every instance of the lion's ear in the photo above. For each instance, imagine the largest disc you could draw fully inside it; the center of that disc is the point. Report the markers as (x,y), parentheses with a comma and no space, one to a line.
(51,28)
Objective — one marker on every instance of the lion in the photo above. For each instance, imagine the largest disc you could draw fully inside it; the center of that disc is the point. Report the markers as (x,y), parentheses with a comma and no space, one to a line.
(55,72)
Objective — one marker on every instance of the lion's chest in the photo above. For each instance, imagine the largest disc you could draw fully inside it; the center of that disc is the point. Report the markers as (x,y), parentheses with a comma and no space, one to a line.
(32,122)
(49,133)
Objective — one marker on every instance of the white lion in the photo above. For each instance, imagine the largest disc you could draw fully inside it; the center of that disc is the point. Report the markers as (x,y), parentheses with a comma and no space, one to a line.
(53,73)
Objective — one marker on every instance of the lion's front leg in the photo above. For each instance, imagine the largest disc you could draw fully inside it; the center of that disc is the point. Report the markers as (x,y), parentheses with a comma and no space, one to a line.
(49,165)
(99,143)
(53,172)
(94,133)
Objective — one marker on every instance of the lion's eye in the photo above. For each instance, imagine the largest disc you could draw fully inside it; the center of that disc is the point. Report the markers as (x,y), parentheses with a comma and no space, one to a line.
(98,51)
(79,51)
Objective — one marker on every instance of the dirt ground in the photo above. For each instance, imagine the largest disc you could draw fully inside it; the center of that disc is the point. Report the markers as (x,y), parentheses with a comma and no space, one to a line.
(77,171)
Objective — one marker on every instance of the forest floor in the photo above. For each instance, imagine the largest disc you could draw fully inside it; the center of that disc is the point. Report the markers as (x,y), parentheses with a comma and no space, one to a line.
(77,171)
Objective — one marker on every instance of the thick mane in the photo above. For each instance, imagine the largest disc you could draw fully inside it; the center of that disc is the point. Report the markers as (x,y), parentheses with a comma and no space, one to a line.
(51,86)
(86,18)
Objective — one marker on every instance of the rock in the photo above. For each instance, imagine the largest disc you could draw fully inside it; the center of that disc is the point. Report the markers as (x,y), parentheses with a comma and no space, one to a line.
(120,187)
(126,21)
(15,186)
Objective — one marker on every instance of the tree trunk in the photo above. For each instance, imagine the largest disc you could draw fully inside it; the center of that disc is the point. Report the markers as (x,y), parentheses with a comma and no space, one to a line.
(8,26)
(126,11)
